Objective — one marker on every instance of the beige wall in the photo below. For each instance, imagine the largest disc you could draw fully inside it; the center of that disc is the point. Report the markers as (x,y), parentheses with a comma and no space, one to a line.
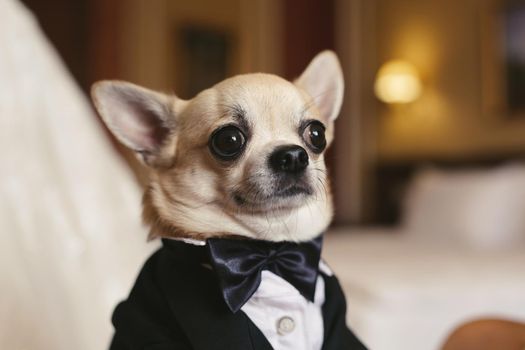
(443,38)
(149,27)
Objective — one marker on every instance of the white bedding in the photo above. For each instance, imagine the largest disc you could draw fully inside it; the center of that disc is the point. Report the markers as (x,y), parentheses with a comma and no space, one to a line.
(405,294)
(71,241)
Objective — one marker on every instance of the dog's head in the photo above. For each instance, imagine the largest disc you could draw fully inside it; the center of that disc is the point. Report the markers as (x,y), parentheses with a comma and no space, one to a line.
(245,157)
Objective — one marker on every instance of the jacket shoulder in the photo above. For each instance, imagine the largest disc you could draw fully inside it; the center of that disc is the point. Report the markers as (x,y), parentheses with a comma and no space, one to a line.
(144,320)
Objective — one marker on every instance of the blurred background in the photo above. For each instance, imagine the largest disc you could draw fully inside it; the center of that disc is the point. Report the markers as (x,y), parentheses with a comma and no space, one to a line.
(460,52)
(427,166)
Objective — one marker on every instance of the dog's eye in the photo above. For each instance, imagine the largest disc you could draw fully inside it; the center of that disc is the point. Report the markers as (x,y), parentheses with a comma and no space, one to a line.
(227,142)
(314,136)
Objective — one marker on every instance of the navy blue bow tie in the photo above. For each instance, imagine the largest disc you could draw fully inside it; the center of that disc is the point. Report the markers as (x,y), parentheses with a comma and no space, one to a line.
(238,264)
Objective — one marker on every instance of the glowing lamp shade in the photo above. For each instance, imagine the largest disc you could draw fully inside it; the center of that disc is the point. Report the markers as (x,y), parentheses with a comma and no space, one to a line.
(397,82)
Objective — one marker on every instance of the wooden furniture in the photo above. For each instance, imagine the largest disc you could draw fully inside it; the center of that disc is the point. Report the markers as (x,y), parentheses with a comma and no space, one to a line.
(487,334)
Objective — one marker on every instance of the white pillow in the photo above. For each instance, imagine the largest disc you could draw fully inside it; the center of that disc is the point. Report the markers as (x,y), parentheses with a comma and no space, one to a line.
(482,209)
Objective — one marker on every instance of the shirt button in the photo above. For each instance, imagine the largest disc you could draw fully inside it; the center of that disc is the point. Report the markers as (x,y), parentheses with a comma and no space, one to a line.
(285,325)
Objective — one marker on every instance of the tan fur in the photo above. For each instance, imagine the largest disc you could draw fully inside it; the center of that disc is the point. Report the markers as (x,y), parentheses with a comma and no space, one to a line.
(190,192)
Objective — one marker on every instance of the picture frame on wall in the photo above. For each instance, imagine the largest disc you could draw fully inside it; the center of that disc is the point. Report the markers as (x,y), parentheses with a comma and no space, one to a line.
(205,57)
(503,58)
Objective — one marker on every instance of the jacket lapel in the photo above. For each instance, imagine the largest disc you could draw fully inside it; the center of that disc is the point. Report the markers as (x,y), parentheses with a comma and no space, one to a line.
(337,335)
(196,302)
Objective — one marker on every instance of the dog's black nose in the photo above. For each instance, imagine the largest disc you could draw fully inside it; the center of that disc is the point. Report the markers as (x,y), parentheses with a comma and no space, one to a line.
(291,159)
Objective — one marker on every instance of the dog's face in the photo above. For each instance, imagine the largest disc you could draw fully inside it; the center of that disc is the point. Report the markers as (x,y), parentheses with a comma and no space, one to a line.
(245,157)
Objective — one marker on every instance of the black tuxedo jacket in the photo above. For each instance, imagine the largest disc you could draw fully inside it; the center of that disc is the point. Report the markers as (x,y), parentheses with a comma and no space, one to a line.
(176,304)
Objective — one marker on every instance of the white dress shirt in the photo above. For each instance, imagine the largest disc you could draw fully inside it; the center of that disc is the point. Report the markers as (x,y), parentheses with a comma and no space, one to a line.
(286,318)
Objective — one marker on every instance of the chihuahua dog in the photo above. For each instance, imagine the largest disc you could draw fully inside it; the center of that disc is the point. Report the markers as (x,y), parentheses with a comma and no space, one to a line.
(240,197)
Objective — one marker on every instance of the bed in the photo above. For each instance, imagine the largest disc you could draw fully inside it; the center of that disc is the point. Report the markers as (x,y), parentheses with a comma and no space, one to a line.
(457,254)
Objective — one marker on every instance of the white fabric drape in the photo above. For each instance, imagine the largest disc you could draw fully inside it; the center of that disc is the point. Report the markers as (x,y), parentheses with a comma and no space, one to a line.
(71,241)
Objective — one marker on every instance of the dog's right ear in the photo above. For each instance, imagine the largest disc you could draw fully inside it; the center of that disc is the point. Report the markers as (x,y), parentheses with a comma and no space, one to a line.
(142,119)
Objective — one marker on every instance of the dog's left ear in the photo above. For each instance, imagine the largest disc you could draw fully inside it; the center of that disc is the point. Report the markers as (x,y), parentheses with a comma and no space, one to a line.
(323,81)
